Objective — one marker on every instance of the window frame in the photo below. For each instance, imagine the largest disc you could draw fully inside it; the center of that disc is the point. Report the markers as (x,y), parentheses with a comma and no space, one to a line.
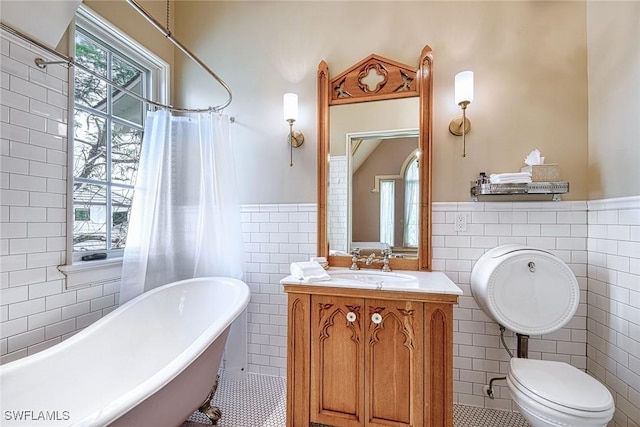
(158,90)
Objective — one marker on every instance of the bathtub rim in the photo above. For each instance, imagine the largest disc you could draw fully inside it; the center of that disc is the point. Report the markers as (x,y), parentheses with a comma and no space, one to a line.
(129,400)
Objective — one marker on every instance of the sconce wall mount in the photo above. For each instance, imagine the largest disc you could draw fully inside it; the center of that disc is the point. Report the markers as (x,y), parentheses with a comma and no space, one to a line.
(455,127)
(295,138)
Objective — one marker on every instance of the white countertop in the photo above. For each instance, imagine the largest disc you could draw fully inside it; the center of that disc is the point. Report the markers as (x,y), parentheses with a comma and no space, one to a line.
(397,280)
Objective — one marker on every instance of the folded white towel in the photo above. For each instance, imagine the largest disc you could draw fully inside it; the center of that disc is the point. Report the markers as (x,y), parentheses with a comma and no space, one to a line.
(510,178)
(511,181)
(308,271)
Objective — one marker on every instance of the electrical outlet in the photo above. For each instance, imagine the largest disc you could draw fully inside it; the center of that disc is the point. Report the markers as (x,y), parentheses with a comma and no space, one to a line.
(461,222)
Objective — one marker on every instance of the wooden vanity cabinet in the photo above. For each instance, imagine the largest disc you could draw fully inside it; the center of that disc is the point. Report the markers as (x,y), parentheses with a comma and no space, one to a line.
(369,358)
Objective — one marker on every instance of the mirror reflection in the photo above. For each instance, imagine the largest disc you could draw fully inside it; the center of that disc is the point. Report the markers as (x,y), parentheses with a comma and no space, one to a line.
(373,191)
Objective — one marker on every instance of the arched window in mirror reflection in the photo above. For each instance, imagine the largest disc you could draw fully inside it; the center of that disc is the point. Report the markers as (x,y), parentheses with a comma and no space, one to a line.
(411,204)
(387,211)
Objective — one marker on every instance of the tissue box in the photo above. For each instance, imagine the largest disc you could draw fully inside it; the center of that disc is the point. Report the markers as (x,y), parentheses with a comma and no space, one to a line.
(543,173)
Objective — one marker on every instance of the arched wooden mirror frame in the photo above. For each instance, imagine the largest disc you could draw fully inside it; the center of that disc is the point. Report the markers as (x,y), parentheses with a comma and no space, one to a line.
(414,82)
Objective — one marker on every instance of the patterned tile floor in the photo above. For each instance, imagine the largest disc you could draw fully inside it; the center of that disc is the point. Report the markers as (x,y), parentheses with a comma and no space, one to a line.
(259,401)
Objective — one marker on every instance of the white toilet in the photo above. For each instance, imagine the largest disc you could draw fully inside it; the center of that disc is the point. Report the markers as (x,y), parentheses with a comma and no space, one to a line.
(533,292)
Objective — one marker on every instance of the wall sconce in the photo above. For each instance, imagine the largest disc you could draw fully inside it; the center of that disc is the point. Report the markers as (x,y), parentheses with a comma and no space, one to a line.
(295,138)
(464,96)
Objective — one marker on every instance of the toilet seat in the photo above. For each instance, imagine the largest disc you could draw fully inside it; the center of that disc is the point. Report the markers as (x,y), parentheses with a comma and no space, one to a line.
(560,386)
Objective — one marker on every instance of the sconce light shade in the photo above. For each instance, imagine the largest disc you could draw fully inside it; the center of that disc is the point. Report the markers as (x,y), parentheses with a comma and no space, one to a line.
(290,107)
(464,87)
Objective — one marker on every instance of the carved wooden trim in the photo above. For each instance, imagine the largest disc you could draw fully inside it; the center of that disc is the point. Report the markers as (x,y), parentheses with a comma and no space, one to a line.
(403,324)
(323,158)
(330,321)
(321,309)
(425,87)
(397,81)
(417,82)
(373,310)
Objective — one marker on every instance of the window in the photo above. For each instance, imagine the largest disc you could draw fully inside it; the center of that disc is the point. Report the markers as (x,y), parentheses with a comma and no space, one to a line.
(107,131)
(411,204)
(387,208)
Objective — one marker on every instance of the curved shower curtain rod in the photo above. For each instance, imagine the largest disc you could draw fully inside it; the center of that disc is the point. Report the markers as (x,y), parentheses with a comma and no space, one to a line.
(69,61)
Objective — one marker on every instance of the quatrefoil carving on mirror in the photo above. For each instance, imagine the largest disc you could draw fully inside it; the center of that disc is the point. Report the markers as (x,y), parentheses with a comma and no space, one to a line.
(373,78)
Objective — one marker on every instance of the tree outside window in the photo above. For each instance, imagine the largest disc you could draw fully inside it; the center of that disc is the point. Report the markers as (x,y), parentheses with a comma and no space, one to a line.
(107,138)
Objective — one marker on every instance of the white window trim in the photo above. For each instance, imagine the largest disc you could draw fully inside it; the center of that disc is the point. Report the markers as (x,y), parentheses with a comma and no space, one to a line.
(83,273)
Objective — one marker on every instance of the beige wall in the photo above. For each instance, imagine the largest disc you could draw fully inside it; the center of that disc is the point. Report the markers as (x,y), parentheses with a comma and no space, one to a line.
(123,16)
(529,59)
(614,98)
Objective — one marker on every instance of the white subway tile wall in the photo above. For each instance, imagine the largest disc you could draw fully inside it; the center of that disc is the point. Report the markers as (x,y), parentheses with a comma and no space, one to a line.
(559,227)
(613,318)
(36,311)
(274,237)
(337,203)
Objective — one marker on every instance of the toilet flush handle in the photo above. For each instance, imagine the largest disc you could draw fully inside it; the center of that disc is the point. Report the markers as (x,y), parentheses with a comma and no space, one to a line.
(532,266)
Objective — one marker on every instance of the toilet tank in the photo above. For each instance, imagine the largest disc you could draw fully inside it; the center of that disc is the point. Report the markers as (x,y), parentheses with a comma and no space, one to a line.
(527,290)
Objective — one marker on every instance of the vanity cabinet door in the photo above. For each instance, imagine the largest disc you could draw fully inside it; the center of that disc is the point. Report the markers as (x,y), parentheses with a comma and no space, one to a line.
(394,363)
(337,360)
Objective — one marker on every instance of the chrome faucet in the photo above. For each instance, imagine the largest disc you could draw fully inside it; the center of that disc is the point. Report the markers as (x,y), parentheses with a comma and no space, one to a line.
(355,258)
(371,259)
(386,255)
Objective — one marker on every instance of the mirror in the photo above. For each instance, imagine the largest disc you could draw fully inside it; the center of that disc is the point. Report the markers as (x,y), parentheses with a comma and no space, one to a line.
(374,161)
(373,186)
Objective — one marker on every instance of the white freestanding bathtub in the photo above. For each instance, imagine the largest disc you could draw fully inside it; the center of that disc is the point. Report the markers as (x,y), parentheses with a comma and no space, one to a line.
(151,362)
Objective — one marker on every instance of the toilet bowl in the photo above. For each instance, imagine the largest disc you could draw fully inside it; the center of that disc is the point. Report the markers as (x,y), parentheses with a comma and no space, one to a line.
(550,393)
(532,292)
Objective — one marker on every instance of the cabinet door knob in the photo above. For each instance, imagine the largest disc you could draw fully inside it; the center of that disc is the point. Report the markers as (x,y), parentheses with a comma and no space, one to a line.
(376,318)
(351,316)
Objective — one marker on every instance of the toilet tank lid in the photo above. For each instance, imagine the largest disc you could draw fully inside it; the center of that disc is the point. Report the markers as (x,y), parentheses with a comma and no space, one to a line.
(502,250)
(561,384)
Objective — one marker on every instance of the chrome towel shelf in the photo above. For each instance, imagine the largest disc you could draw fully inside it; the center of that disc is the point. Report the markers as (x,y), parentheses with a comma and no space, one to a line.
(535,191)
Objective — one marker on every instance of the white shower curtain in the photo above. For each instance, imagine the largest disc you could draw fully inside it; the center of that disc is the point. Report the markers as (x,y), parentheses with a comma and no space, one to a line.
(185,217)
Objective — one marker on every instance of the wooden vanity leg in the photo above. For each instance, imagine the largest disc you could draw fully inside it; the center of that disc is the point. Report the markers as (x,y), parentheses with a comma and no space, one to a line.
(298,360)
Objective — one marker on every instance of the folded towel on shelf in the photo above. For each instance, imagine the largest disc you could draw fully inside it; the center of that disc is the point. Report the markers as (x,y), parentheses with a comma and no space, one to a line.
(510,178)
(308,271)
